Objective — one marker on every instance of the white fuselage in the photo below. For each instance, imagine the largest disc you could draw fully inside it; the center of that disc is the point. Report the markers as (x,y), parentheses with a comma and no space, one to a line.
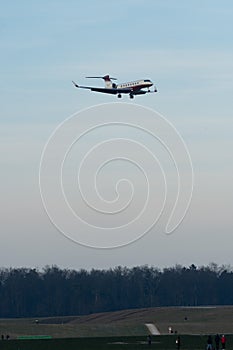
(145,83)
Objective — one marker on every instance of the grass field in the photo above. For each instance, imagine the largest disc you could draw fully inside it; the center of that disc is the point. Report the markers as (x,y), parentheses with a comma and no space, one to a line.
(184,320)
(162,342)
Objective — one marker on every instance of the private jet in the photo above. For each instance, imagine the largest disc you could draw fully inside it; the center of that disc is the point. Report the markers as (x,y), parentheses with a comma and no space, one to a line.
(137,87)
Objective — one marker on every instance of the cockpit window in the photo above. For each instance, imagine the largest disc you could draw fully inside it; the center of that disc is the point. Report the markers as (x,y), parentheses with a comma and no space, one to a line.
(147,81)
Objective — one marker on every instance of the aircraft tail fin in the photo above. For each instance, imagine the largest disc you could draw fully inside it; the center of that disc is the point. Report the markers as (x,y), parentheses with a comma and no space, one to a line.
(108,82)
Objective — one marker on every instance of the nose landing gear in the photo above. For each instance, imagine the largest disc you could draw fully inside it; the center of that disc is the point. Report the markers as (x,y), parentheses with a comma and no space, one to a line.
(119,95)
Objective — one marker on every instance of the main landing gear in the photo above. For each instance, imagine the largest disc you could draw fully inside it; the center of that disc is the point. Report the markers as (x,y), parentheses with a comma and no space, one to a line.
(130,95)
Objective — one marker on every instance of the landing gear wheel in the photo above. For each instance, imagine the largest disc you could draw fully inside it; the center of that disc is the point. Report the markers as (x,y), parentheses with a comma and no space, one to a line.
(119,95)
(131,96)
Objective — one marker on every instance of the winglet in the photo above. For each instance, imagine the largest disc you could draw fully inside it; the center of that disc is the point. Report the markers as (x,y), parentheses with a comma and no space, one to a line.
(76,85)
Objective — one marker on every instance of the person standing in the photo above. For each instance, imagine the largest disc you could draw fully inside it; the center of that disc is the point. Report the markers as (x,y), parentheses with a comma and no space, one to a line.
(178,343)
(223,342)
(217,341)
(209,343)
(149,340)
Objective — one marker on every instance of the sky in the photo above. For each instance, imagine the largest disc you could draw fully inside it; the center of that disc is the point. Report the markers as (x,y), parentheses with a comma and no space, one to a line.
(185,48)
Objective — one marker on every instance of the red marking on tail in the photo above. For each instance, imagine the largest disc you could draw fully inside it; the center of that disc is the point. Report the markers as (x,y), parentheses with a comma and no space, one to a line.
(106,78)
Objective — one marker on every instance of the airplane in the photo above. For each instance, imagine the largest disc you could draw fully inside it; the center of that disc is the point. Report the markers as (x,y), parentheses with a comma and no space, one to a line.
(132,88)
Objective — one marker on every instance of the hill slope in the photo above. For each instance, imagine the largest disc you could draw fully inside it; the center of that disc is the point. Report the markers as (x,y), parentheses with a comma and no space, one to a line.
(184,320)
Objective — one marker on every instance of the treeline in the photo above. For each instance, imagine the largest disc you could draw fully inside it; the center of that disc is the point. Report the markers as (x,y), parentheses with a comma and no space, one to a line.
(54,291)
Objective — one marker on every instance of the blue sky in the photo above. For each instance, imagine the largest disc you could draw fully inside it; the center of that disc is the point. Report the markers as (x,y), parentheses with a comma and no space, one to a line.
(185,47)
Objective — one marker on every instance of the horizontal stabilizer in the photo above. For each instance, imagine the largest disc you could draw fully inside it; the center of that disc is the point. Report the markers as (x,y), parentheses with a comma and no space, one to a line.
(105,77)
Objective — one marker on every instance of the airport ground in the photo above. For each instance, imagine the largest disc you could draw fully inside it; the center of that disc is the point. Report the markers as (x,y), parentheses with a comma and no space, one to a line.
(119,330)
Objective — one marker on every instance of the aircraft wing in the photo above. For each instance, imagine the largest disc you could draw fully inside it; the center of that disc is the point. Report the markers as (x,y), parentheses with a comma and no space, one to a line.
(112,91)
(105,90)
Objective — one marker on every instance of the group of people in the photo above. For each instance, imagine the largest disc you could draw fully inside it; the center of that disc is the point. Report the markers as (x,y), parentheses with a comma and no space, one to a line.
(3,337)
(218,339)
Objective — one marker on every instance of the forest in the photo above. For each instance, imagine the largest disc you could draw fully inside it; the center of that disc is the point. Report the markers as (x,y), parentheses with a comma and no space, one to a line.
(52,291)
